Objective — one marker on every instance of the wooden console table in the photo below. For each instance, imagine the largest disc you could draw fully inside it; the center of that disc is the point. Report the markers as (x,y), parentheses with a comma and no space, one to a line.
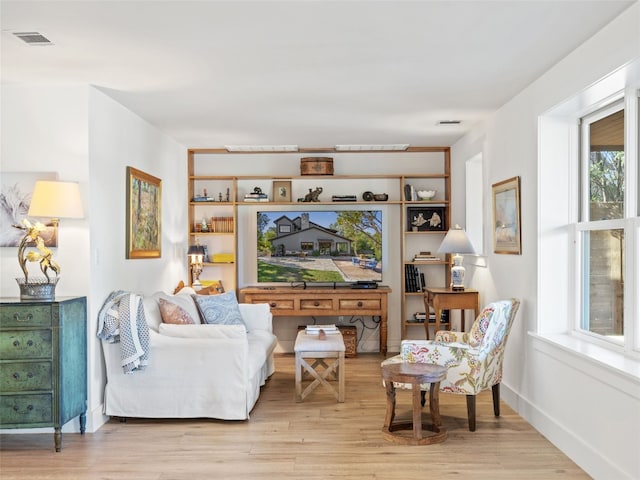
(448,299)
(323,301)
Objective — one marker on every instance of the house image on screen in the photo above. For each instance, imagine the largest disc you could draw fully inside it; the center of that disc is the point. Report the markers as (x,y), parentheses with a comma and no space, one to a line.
(299,235)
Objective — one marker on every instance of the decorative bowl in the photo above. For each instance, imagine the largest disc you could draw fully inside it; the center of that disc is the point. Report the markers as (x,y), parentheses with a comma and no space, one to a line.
(380,197)
(426,194)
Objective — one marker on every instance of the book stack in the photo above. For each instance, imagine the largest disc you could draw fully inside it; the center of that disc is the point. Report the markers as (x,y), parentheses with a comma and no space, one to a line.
(424,257)
(444,317)
(343,198)
(256,197)
(414,280)
(315,329)
(418,317)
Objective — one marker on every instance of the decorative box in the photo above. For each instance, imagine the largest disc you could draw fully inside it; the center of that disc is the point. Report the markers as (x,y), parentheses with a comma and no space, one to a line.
(316,166)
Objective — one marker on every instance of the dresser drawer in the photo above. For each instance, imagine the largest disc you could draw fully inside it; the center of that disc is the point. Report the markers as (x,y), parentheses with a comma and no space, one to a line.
(22,410)
(19,316)
(25,376)
(316,304)
(360,304)
(22,344)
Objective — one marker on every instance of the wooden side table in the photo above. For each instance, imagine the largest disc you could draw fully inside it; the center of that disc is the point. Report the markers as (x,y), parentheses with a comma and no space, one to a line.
(414,374)
(448,299)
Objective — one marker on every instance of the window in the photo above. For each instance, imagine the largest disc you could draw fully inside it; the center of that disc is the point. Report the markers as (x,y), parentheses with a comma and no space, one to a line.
(284,228)
(306,246)
(604,232)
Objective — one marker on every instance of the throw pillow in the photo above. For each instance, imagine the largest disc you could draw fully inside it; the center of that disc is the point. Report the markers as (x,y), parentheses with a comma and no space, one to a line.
(219,309)
(174,314)
(184,301)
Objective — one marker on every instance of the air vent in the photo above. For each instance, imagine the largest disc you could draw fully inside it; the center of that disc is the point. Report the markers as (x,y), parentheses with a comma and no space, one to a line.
(449,122)
(33,38)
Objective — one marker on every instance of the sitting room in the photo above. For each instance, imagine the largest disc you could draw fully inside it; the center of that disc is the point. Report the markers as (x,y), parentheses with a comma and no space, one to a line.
(307,239)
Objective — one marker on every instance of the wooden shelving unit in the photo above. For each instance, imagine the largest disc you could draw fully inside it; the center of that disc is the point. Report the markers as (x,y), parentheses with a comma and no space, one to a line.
(227,193)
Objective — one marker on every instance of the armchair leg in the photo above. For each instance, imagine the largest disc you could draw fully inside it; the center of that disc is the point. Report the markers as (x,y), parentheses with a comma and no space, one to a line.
(496,399)
(471,412)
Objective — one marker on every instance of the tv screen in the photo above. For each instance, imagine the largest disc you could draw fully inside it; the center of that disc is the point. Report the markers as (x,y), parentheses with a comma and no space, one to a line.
(341,246)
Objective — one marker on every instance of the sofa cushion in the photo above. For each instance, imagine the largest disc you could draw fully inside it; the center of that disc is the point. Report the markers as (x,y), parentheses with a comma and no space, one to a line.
(219,309)
(203,331)
(174,314)
(183,300)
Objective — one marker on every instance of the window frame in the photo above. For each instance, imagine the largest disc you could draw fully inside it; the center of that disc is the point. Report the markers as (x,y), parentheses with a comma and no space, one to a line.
(629,101)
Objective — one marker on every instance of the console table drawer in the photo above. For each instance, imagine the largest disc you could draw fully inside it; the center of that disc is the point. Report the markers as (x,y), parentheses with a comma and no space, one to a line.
(278,304)
(360,304)
(21,344)
(25,376)
(26,409)
(316,304)
(19,316)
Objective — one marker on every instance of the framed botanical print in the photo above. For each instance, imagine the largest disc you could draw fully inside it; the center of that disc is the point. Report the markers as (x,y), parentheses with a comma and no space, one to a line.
(506,216)
(144,215)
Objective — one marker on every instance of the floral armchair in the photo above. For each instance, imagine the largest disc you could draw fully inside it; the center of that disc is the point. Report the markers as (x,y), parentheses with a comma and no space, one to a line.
(473,359)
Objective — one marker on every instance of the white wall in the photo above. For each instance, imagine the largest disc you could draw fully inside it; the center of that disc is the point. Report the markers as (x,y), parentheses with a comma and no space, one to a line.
(85,136)
(117,139)
(591,413)
(45,130)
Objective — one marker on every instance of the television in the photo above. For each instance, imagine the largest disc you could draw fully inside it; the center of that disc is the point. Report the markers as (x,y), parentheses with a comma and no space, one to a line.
(326,246)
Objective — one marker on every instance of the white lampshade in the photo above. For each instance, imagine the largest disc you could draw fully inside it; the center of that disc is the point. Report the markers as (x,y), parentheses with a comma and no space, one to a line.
(456,241)
(56,200)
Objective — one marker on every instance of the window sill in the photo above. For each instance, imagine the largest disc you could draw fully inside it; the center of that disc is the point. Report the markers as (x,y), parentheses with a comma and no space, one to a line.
(586,354)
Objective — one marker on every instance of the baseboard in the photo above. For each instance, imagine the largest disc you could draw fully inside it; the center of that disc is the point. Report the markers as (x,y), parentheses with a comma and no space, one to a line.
(584,455)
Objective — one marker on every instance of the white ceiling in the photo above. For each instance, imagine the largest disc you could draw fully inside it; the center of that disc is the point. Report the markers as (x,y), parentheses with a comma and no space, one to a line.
(310,73)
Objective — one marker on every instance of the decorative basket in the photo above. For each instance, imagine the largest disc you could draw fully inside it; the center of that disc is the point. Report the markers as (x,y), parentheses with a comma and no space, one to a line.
(316,166)
(37,288)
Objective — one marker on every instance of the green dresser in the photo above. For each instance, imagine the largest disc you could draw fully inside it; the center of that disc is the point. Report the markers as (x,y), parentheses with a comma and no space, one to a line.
(43,363)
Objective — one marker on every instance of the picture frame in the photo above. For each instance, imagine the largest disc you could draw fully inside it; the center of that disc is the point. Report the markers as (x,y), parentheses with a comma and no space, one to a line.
(426,219)
(506,217)
(144,215)
(282,190)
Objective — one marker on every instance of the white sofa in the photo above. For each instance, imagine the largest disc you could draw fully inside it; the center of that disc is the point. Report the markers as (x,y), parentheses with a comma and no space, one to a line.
(209,371)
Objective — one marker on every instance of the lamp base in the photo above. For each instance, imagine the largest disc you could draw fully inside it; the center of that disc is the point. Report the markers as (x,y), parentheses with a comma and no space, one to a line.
(457,289)
(37,288)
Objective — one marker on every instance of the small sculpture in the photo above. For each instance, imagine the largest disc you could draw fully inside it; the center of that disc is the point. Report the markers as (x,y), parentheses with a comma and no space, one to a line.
(312,196)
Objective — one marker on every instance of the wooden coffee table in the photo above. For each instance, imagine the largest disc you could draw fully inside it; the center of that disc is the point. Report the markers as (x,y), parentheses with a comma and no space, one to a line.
(415,374)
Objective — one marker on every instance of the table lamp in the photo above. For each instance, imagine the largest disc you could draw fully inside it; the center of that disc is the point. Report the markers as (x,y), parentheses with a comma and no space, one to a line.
(196,259)
(49,199)
(456,242)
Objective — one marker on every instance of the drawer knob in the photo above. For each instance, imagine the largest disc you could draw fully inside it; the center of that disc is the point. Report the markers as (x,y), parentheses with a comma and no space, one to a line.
(16,375)
(359,304)
(16,343)
(16,408)
(273,304)
(316,304)
(29,343)
(17,318)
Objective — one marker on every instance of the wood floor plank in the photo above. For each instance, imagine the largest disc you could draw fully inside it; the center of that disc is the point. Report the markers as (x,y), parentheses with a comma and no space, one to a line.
(316,439)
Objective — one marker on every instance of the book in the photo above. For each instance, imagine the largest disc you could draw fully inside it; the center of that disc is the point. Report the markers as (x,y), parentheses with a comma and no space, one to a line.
(315,329)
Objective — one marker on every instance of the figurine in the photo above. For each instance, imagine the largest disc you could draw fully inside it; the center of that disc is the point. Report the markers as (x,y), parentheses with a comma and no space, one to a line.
(312,196)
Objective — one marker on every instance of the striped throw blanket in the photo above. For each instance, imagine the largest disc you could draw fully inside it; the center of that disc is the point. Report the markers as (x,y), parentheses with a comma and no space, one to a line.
(121,319)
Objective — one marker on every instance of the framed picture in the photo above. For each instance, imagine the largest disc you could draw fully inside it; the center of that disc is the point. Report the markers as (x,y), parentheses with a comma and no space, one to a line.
(426,219)
(282,190)
(506,216)
(15,198)
(144,239)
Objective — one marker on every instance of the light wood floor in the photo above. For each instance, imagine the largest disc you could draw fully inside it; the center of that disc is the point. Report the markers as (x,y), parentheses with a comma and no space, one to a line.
(316,439)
